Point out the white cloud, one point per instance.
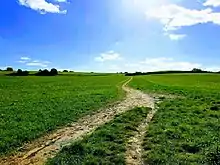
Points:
(169, 64)
(25, 58)
(174, 17)
(154, 64)
(176, 37)
(108, 56)
(42, 6)
(213, 68)
(29, 62)
(61, 1)
(22, 62)
(214, 3)
(38, 64)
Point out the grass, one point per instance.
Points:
(33, 106)
(185, 130)
(107, 145)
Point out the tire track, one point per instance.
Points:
(134, 147)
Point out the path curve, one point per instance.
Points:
(38, 151)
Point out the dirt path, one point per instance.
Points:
(38, 151)
(134, 146)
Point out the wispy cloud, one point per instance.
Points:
(39, 64)
(154, 64)
(108, 56)
(176, 37)
(61, 1)
(30, 62)
(25, 58)
(42, 6)
(214, 3)
(174, 17)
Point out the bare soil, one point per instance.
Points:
(134, 146)
(38, 151)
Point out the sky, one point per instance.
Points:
(110, 35)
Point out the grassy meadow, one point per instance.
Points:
(186, 129)
(32, 106)
(107, 145)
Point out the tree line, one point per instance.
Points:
(19, 72)
(195, 70)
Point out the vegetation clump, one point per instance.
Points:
(45, 72)
(19, 73)
(9, 69)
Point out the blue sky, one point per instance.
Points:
(110, 35)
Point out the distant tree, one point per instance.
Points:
(65, 71)
(54, 72)
(19, 71)
(25, 73)
(10, 69)
(45, 72)
(196, 70)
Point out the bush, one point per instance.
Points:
(53, 72)
(19, 73)
(196, 70)
(45, 72)
(10, 69)
(65, 71)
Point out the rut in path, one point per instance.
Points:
(38, 151)
(134, 146)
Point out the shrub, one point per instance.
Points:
(53, 72)
(10, 69)
(65, 71)
(196, 70)
(19, 73)
(45, 72)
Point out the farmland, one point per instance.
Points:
(33, 106)
(108, 142)
(185, 129)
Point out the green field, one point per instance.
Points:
(186, 129)
(107, 145)
(32, 106)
